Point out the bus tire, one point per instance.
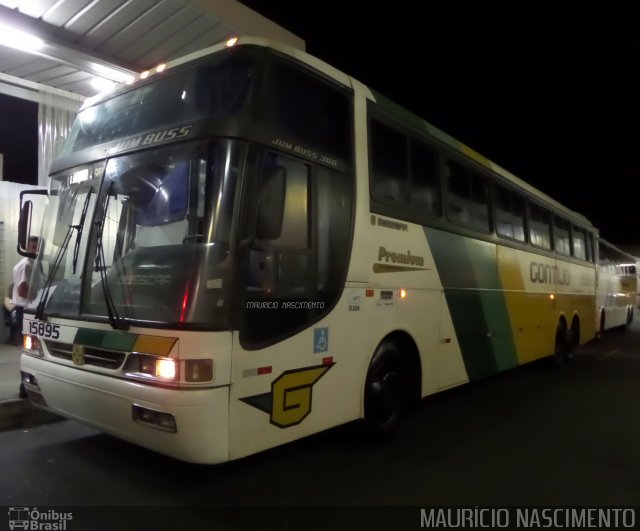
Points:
(573, 339)
(600, 331)
(385, 394)
(562, 344)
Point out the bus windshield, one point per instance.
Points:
(157, 247)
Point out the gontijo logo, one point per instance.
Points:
(289, 401)
(34, 519)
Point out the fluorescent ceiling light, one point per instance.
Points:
(113, 74)
(20, 40)
(102, 84)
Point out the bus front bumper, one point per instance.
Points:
(128, 410)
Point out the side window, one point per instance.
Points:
(468, 197)
(509, 214)
(295, 220)
(579, 243)
(591, 257)
(539, 226)
(295, 269)
(280, 260)
(562, 240)
(389, 171)
(424, 195)
(303, 107)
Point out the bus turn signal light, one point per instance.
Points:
(198, 370)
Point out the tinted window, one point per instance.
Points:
(468, 197)
(561, 236)
(539, 226)
(579, 243)
(292, 280)
(509, 214)
(424, 195)
(389, 171)
(218, 89)
(305, 109)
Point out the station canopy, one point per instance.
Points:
(81, 47)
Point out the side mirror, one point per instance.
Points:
(271, 204)
(24, 222)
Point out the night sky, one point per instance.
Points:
(550, 93)
(19, 139)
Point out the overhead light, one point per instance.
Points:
(20, 40)
(113, 74)
(160, 68)
(231, 42)
(144, 74)
(102, 84)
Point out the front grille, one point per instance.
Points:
(108, 359)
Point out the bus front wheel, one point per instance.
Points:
(385, 395)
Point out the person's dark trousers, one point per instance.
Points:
(18, 341)
(17, 333)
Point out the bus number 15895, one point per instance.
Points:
(44, 329)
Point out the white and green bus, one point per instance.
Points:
(617, 287)
(251, 247)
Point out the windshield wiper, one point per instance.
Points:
(76, 248)
(61, 253)
(52, 274)
(116, 321)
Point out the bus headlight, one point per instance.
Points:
(169, 370)
(153, 367)
(32, 344)
(166, 368)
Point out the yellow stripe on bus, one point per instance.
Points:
(160, 346)
(528, 312)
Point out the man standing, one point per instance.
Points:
(21, 278)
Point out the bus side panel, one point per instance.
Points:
(399, 258)
(309, 382)
(476, 303)
(576, 296)
(610, 286)
(533, 318)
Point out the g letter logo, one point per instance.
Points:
(289, 401)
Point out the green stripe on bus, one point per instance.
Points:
(494, 304)
(120, 341)
(469, 275)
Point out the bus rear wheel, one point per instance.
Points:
(385, 397)
(562, 352)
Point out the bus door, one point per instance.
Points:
(292, 265)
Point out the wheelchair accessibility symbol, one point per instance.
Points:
(320, 340)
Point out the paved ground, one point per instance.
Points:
(9, 372)
(532, 436)
(15, 412)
